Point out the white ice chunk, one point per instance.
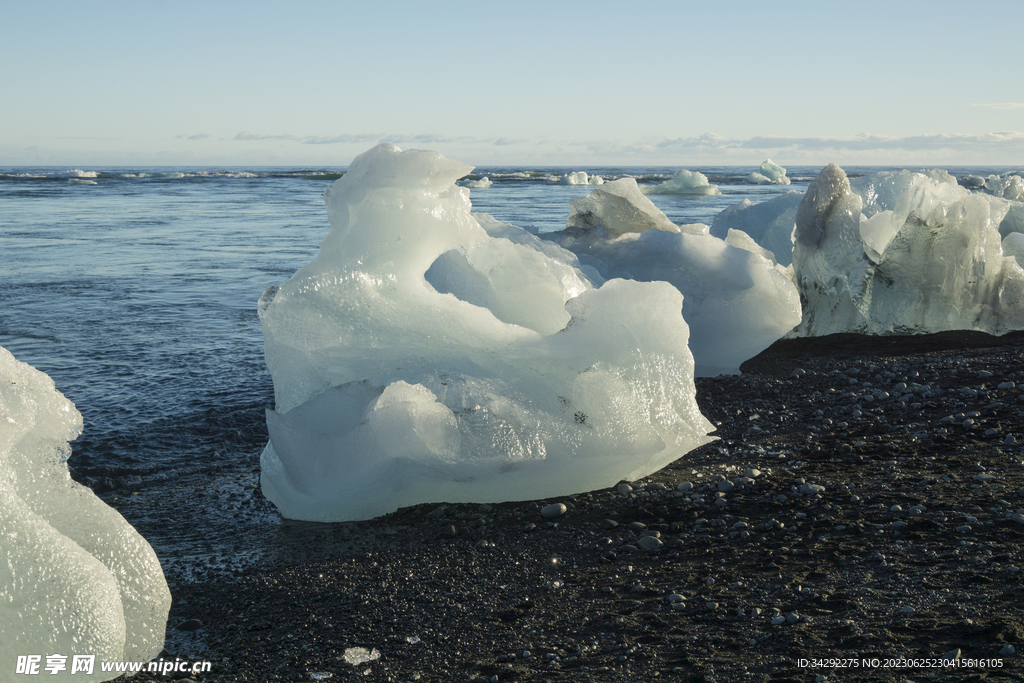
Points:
(519, 381)
(736, 302)
(596, 180)
(903, 253)
(742, 240)
(686, 183)
(769, 223)
(619, 207)
(770, 173)
(76, 577)
(1006, 186)
(480, 184)
(574, 178)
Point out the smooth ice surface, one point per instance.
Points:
(1013, 245)
(769, 223)
(770, 173)
(76, 577)
(423, 357)
(735, 301)
(684, 182)
(903, 253)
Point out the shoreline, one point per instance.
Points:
(882, 528)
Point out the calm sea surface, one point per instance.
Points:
(135, 289)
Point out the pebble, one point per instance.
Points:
(778, 620)
(951, 655)
(811, 489)
(649, 543)
(552, 511)
(792, 617)
(752, 473)
(625, 489)
(1008, 650)
(725, 486)
(608, 524)
(684, 486)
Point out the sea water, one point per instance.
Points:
(135, 289)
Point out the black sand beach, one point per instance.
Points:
(871, 528)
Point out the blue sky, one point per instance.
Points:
(544, 83)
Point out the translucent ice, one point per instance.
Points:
(903, 253)
(684, 182)
(735, 301)
(423, 358)
(619, 207)
(770, 173)
(76, 577)
(769, 223)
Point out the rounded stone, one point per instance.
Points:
(552, 511)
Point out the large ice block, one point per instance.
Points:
(423, 358)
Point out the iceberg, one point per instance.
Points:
(1006, 185)
(769, 223)
(686, 183)
(77, 578)
(423, 357)
(903, 253)
(575, 178)
(480, 184)
(735, 301)
(770, 173)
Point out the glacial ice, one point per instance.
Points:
(684, 182)
(574, 178)
(1006, 186)
(480, 184)
(770, 173)
(735, 301)
(422, 357)
(769, 223)
(77, 578)
(619, 207)
(1013, 245)
(903, 253)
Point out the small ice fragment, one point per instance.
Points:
(320, 675)
(360, 655)
(413, 640)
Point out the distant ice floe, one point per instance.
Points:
(428, 355)
(76, 577)
(770, 173)
(479, 184)
(684, 183)
(904, 253)
(580, 178)
(735, 300)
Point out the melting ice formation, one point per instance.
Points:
(76, 577)
(684, 182)
(426, 355)
(735, 300)
(580, 178)
(906, 253)
(770, 173)
(481, 184)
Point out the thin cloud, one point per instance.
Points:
(1001, 105)
(247, 136)
(510, 141)
(198, 136)
(340, 139)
